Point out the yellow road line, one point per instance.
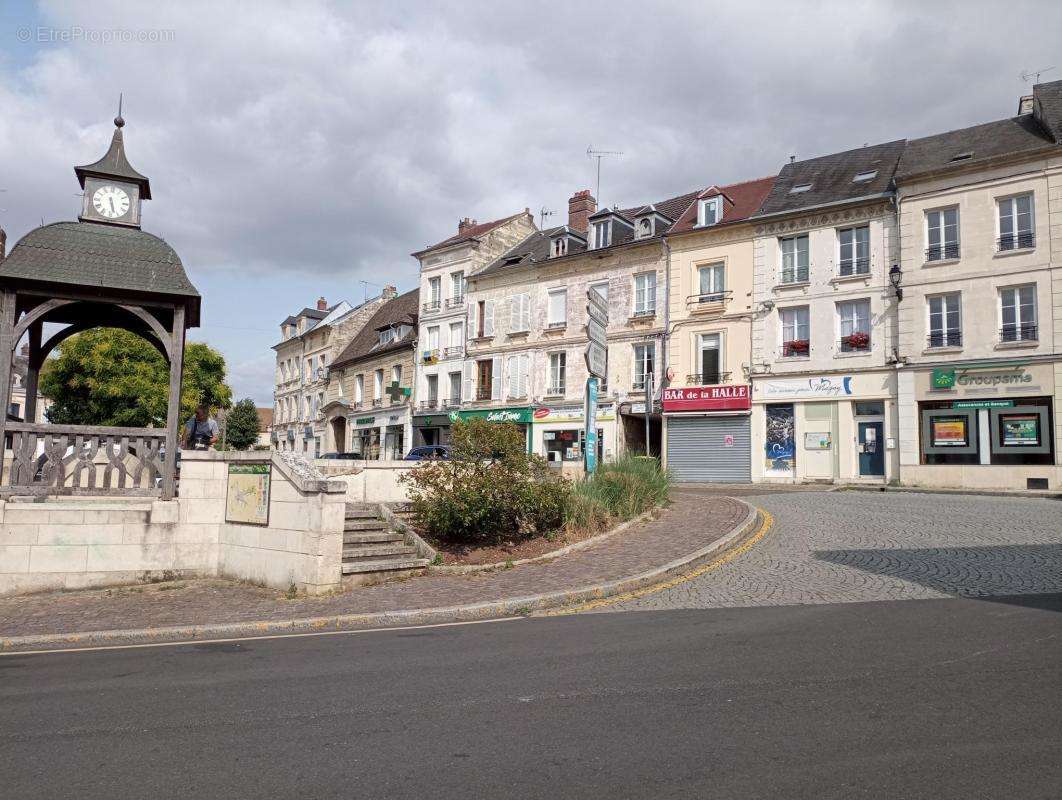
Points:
(726, 557)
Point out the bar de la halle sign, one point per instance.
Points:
(708, 398)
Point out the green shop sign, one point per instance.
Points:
(943, 378)
(365, 420)
(983, 404)
(520, 415)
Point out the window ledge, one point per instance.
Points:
(1026, 344)
(555, 328)
(481, 339)
(862, 276)
(778, 287)
(553, 396)
(708, 308)
(929, 351)
(788, 359)
(642, 318)
(941, 262)
(1018, 251)
(853, 354)
(518, 333)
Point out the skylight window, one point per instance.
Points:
(800, 187)
(865, 175)
(962, 156)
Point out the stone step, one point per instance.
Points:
(383, 565)
(363, 551)
(364, 525)
(401, 507)
(371, 537)
(361, 513)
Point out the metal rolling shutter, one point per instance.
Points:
(696, 454)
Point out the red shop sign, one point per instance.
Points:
(708, 398)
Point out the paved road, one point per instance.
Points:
(840, 547)
(934, 699)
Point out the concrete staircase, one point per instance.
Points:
(372, 550)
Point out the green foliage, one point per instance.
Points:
(241, 425)
(107, 376)
(491, 489)
(621, 490)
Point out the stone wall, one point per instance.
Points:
(371, 481)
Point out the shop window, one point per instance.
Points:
(1021, 434)
(780, 441)
(567, 445)
(1018, 431)
(870, 409)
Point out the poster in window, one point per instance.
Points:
(1020, 430)
(780, 443)
(949, 431)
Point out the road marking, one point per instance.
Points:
(726, 557)
(143, 645)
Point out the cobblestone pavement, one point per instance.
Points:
(841, 547)
(694, 520)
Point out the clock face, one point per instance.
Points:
(110, 202)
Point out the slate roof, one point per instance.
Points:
(310, 313)
(1047, 98)
(110, 258)
(985, 142)
(469, 234)
(831, 179)
(741, 200)
(114, 164)
(366, 344)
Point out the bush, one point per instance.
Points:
(619, 490)
(490, 490)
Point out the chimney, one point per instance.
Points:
(389, 293)
(1025, 105)
(465, 225)
(322, 304)
(3, 244)
(580, 207)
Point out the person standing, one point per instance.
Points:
(201, 431)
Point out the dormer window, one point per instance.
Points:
(800, 188)
(559, 247)
(644, 229)
(710, 211)
(602, 235)
(866, 175)
(387, 335)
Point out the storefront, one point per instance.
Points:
(384, 436)
(708, 433)
(520, 416)
(366, 441)
(431, 429)
(825, 428)
(558, 435)
(981, 425)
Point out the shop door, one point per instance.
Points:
(871, 449)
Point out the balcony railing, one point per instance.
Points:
(859, 266)
(452, 402)
(707, 378)
(553, 326)
(431, 305)
(483, 393)
(644, 313)
(942, 252)
(428, 405)
(377, 402)
(945, 339)
(709, 299)
(1018, 333)
(1022, 240)
(858, 342)
(555, 391)
(795, 275)
(796, 348)
(455, 302)
(455, 351)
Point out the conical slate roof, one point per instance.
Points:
(114, 164)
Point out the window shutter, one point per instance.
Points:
(512, 375)
(495, 378)
(514, 313)
(525, 312)
(469, 370)
(525, 368)
(488, 318)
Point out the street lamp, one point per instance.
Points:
(896, 278)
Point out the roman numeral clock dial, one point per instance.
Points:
(110, 202)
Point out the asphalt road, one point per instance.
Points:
(956, 698)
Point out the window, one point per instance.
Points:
(942, 234)
(387, 335)
(645, 294)
(709, 346)
(602, 234)
(433, 339)
(644, 358)
(457, 338)
(796, 332)
(855, 250)
(485, 318)
(1018, 314)
(866, 175)
(457, 286)
(711, 283)
(1016, 223)
(396, 374)
(854, 321)
(485, 379)
(434, 293)
(377, 386)
(518, 368)
(800, 188)
(520, 313)
(556, 373)
(559, 247)
(558, 308)
(455, 389)
(945, 320)
(710, 211)
(433, 391)
(645, 228)
(359, 389)
(795, 259)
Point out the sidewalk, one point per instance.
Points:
(680, 537)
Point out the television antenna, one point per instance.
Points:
(365, 288)
(1034, 73)
(542, 214)
(599, 154)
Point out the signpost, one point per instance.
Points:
(648, 409)
(596, 356)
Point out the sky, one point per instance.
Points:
(297, 150)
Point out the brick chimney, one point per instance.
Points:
(3, 244)
(580, 207)
(322, 304)
(389, 293)
(463, 226)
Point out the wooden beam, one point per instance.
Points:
(7, 347)
(155, 326)
(173, 412)
(37, 313)
(33, 371)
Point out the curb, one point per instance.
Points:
(469, 569)
(514, 606)
(1046, 494)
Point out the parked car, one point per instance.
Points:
(440, 451)
(349, 456)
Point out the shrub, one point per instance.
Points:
(621, 490)
(490, 490)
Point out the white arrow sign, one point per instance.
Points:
(596, 359)
(595, 331)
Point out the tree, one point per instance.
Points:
(108, 376)
(241, 425)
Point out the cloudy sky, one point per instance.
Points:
(296, 150)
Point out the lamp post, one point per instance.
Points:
(896, 278)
